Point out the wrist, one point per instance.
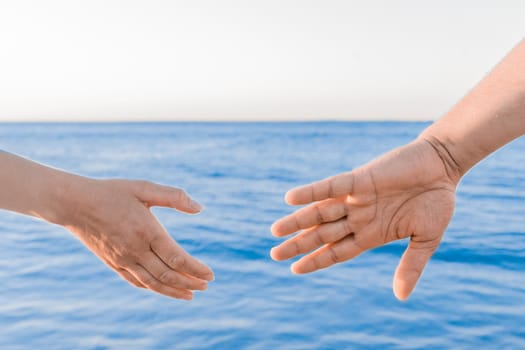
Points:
(488, 117)
(448, 151)
(62, 199)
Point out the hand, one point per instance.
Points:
(112, 218)
(407, 193)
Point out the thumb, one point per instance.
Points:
(153, 194)
(411, 266)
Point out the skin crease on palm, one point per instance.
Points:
(407, 193)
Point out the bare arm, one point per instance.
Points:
(112, 218)
(488, 117)
(409, 192)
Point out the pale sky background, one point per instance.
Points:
(247, 60)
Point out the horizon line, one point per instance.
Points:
(109, 121)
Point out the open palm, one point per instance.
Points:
(407, 193)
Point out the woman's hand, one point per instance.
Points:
(407, 193)
(112, 218)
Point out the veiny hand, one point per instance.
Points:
(407, 193)
(112, 218)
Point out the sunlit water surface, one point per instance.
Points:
(56, 295)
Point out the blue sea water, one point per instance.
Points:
(54, 294)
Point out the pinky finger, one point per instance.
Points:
(125, 275)
(150, 282)
(130, 278)
(330, 254)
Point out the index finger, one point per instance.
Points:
(314, 214)
(332, 187)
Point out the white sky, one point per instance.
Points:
(247, 60)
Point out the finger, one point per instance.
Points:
(311, 239)
(331, 187)
(411, 266)
(169, 277)
(124, 274)
(314, 214)
(333, 253)
(150, 282)
(177, 259)
(130, 278)
(158, 195)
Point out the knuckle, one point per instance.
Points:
(316, 263)
(178, 193)
(177, 261)
(167, 277)
(426, 246)
(156, 241)
(317, 237)
(332, 255)
(417, 270)
(297, 222)
(296, 247)
(142, 185)
(312, 193)
(331, 192)
(149, 281)
(319, 215)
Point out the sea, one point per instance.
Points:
(54, 294)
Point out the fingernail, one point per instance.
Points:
(272, 253)
(295, 268)
(209, 276)
(195, 206)
(273, 230)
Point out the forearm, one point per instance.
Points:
(488, 117)
(31, 188)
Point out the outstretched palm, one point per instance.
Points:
(408, 192)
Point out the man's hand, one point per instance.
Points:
(407, 193)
